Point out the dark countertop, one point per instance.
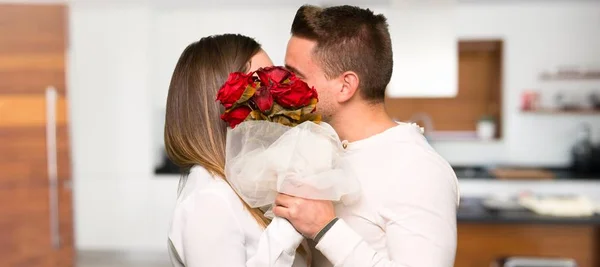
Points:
(471, 210)
(484, 173)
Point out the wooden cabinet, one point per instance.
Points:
(479, 244)
(36, 225)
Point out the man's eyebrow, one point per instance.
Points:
(294, 70)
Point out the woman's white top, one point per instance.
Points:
(211, 227)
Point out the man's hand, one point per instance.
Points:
(306, 215)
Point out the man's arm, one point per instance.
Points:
(409, 244)
(419, 223)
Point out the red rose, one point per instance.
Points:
(295, 94)
(236, 115)
(271, 75)
(234, 88)
(263, 99)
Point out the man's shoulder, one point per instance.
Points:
(413, 151)
(422, 161)
(410, 167)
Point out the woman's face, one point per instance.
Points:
(260, 60)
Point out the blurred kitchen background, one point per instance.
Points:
(508, 93)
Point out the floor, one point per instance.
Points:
(119, 259)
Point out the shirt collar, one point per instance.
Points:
(399, 132)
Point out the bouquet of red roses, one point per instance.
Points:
(276, 142)
(274, 94)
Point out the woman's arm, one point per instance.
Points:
(277, 245)
(213, 236)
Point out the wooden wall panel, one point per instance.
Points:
(33, 44)
(28, 110)
(481, 244)
(64, 257)
(23, 159)
(33, 28)
(30, 81)
(32, 61)
(25, 227)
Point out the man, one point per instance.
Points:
(407, 212)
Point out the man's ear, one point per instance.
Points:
(349, 86)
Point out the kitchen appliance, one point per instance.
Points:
(582, 153)
(596, 159)
(595, 100)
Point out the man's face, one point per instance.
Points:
(300, 60)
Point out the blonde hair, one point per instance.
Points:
(194, 132)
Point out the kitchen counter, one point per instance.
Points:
(485, 236)
(484, 173)
(471, 210)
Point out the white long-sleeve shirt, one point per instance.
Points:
(407, 213)
(211, 227)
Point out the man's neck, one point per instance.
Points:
(361, 121)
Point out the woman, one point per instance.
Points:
(211, 225)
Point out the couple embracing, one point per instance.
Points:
(405, 214)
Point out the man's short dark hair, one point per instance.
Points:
(349, 38)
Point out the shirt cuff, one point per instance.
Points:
(286, 234)
(338, 243)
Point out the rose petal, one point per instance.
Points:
(270, 75)
(234, 88)
(296, 94)
(236, 115)
(263, 99)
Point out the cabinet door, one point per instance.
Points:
(35, 197)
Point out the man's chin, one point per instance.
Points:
(326, 118)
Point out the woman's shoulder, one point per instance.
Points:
(201, 187)
(206, 203)
(205, 195)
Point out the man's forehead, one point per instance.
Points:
(298, 57)
(301, 44)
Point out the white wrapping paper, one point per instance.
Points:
(264, 158)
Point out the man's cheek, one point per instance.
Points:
(311, 83)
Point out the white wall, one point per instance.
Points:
(121, 60)
(176, 28)
(118, 204)
(537, 37)
(122, 56)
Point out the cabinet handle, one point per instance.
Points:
(51, 101)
